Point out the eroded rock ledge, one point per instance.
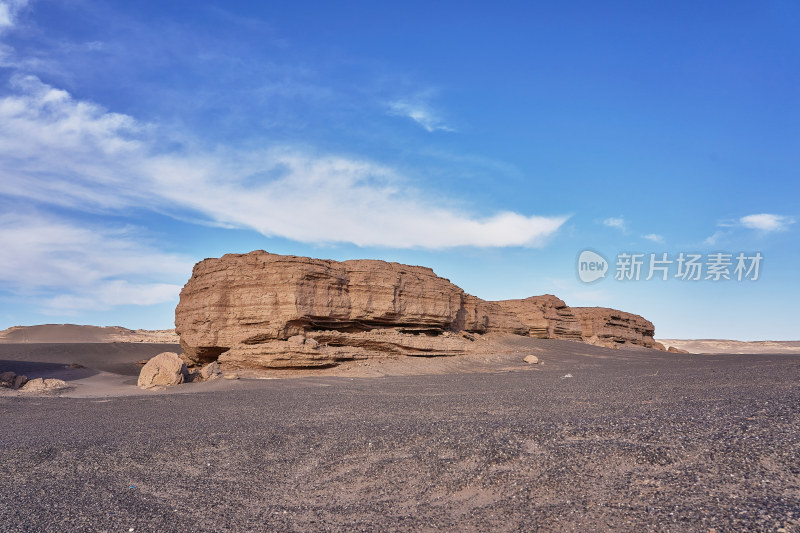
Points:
(262, 310)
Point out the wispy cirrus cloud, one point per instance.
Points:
(420, 112)
(66, 266)
(59, 150)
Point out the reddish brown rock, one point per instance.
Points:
(547, 317)
(249, 309)
(614, 329)
(262, 310)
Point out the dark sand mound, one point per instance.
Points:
(60, 333)
(71, 333)
(633, 441)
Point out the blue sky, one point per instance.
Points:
(491, 143)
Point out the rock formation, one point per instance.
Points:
(262, 310)
(547, 317)
(272, 311)
(602, 326)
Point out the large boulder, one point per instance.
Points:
(163, 370)
(243, 309)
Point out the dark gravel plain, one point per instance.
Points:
(633, 441)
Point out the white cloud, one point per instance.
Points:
(420, 113)
(59, 150)
(112, 294)
(615, 222)
(67, 267)
(766, 222)
(654, 237)
(712, 240)
(8, 12)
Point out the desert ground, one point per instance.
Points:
(590, 439)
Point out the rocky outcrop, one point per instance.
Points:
(267, 311)
(273, 311)
(163, 370)
(602, 326)
(547, 317)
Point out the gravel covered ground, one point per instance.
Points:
(631, 441)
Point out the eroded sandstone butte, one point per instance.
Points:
(549, 317)
(272, 311)
(262, 310)
(602, 326)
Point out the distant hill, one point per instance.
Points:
(73, 333)
(726, 346)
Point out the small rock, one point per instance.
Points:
(43, 385)
(210, 371)
(312, 343)
(296, 340)
(531, 359)
(7, 379)
(230, 376)
(19, 381)
(187, 361)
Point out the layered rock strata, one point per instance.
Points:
(262, 310)
(602, 326)
(547, 317)
(273, 311)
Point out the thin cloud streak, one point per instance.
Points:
(419, 113)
